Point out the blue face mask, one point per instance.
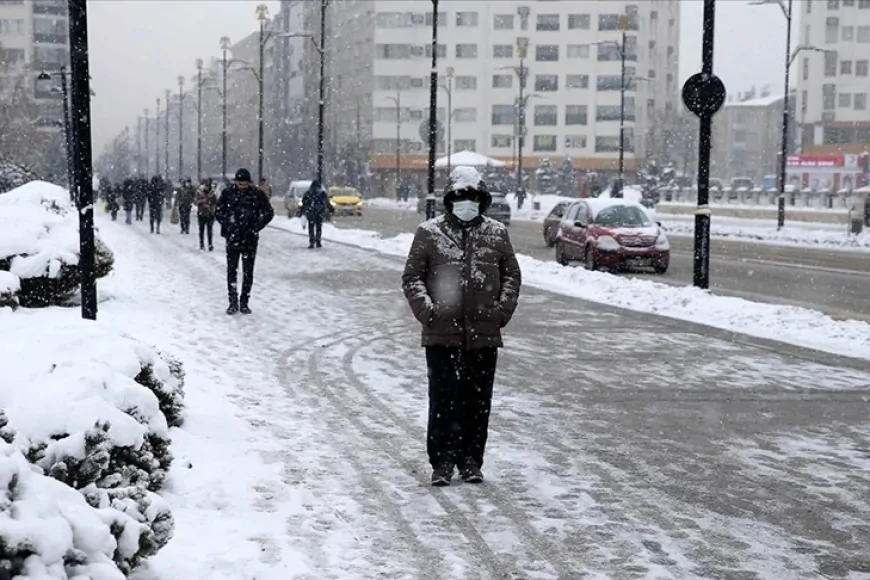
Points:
(466, 210)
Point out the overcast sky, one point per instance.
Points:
(139, 47)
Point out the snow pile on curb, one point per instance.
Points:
(90, 408)
(799, 326)
(826, 237)
(39, 244)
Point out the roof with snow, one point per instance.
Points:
(469, 158)
(757, 102)
(597, 204)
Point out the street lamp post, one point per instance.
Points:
(618, 186)
(166, 147)
(81, 127)
(157, 139)
(225, 46)
(262, 16)
(67, 126)
(139, 145)
(448, 88)
(433, 117)
(199, 65)
(180, 128)
(321, 106)
(147, 145)
(522, 73)
(398, 100)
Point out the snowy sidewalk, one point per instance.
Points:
(622, 446)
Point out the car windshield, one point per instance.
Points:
(623, 216)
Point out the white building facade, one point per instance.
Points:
(833, 86)
(572, 63)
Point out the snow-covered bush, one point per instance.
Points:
(9, 286)
(48, 530)
(166, 381)
(39, 244)
(13, 175)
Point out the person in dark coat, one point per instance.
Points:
(206, 204)
(140, 197)
(112, 194)
(243, 211)
(156, 191)
(185, 198)
(315, 207)
(462, 282)
(127, 197)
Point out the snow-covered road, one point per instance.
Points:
(623, 445)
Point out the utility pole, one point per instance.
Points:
(157, 139)
(147, 140)
(139, 145)
(433, 117)
(522, 47)
(262, 16)
(81, 126)
(620, 180)
(199, 65)
(225, 46)
(322, 92)
(180, 128)
(166, 148)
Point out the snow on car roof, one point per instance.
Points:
(596, 204)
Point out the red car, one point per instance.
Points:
(611, 234)
(552, 221)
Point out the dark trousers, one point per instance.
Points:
(140, 211)
(206, 226)
(460, 397)
(247, 255)
(184, 218)
(156, 216)
(315, 230)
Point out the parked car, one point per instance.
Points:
(499, 209)
(552, 221)
(293, 197)
(609, 234)
(345, 201)
(439, 204)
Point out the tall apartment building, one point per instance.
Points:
(378, 73)
(33, 39)
(833, 86)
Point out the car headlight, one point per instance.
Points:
(662, 242)
(608, 243)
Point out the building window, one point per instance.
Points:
(577, 81)
(503, 51)
(576, 115)
(547, 22)
(547, 83)
(544, 143)
(833, 4)
(12, 27)
(609, 52)
(503, 22)
(502, 81)
(805, 68)
(830, 63)
(609, 82)
(11, 56)
(832, 29)
(393, 51)
(845, 67)
(579, 22)
(504, 115)
(847, 33)
(608, 144)
(863, 3)
(844, 100)
(501, 140)
(575, 142)
(578, 51)
(465, 115)
(546, 115)
(466, 19)
(547, 52)
(614, 112)
(861, 67)
(464, 145)
(829, 96)
(399, 20)
(608, 22)
(442, 19)
(863, 35)
(442, 51)
(391, 83)
(848, 3)
(860, 101)
(466, 51)
(465, 83)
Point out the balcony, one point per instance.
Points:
(49, 39)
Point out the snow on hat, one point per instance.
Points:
(466, 179)
(243, 175)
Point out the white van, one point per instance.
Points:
(293, 198)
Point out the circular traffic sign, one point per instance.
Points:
(424, 131)
(704, 94)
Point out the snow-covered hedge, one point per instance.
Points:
(91, 409)
(13, 175)
(9, 287)
(39, 244)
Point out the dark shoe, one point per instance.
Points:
(233, 309)
(202, 247)
(471, 473)
(442, 475)
(244, 309)
(211, 248)
(310, 246)
(319, 245)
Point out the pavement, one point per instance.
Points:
(623, 445)
(832, 281)
(792, 214)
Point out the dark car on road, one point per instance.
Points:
(499, 209)
(552, 221)
(611, 234)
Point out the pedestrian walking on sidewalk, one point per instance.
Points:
(127, 196)
(243, 211)
(155, 203)
(206, 204)
(462, 281)
(185, 198)
(315, 205)
(140, 197)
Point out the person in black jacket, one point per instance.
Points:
(140, 197)
(315, 205)
(127, 197)
(242, 211)
(155, 203)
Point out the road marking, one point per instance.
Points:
(761, 262)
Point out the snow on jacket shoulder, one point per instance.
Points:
(462, 283)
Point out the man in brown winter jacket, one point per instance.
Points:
(462, 281)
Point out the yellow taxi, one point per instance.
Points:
(345, 201)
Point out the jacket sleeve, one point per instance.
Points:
(511, 279)
(414, 279)
(223, 207)
(266, 212)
